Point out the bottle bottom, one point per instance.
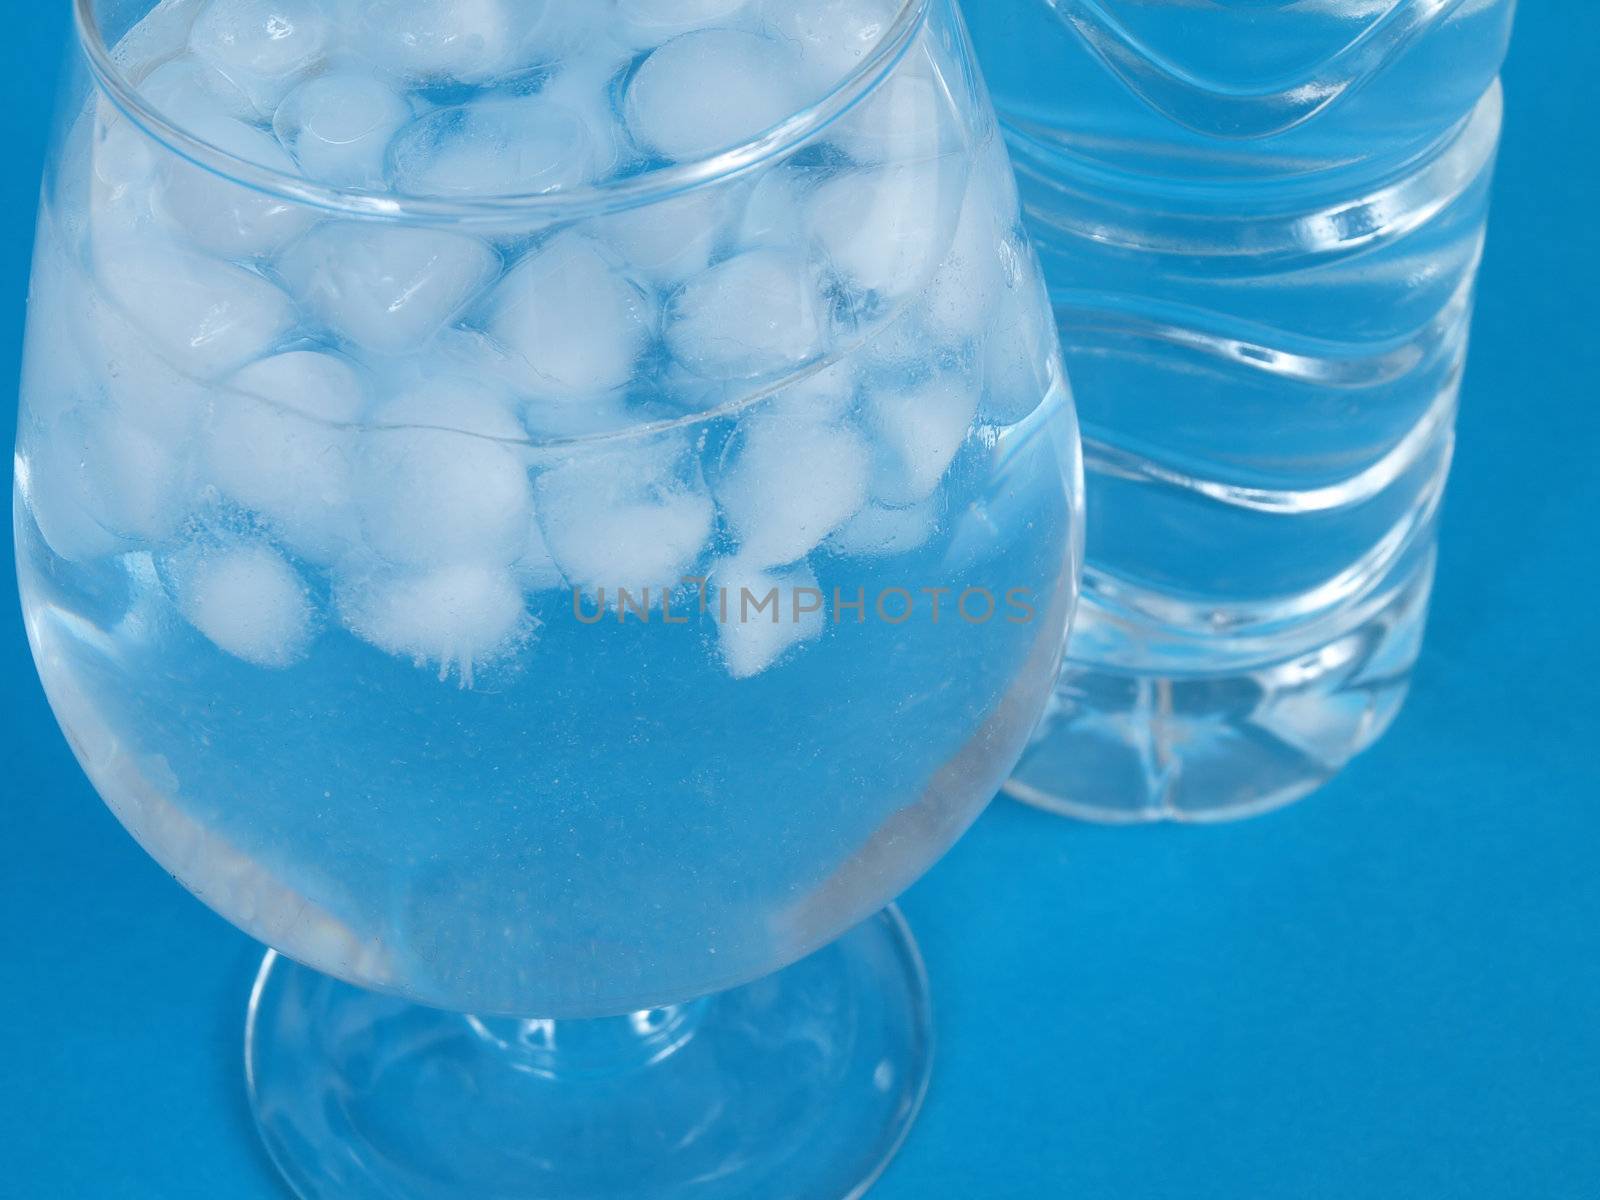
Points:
(1174, 741)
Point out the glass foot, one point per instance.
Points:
(801, 1085)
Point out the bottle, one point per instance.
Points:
(1261, 225)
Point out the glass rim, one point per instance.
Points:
(636, 191)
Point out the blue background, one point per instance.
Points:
(1391, 990)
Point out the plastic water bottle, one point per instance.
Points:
(1261, 223)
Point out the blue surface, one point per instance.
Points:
(1391, 990)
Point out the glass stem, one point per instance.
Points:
(594, 1048)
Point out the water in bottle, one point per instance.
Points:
(1261, 224)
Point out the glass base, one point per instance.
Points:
(1121, 746)
(801, 1085)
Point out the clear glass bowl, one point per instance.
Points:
(524, 543)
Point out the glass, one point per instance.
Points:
(524, 542)
(1261, 226)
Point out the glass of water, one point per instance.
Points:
(555, 512)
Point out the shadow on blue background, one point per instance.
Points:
(1391, 990)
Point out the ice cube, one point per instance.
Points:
(995, 179)
(879, 531)
(455, 404)
(386, 288)
(584, 85)
(651, 22)
(918, 431)
(885, 230)
(138, 480)
(964, 291)
(440, 478)
(905, 344)
(441, 41)
(250, 603)
(338, 126)
(111, 354)
(53, 489)
(789, 483)
(114, 199)
(204, 317)
(536, 570)
(58, 372)
(447, 42)
(223, 216)
(984, 252)
(122, 159)
(822, 397)
(1022, 349)
(182, 87)
(771, 217)
(708, 91)
(556, 33)
(457, 618)
(644, 546)
(549, 421)
(279, 444)
(580, 324)
(521, 146)
(478, 356)
(912, 117)
(121, 184)
(753, 315)
(833, 37)
(96, 483)
(630, 516)
(678, 391)
(263, 47)
(762, 614)
(668, 241)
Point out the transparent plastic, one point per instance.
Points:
(1261, 225)
(479, 512)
